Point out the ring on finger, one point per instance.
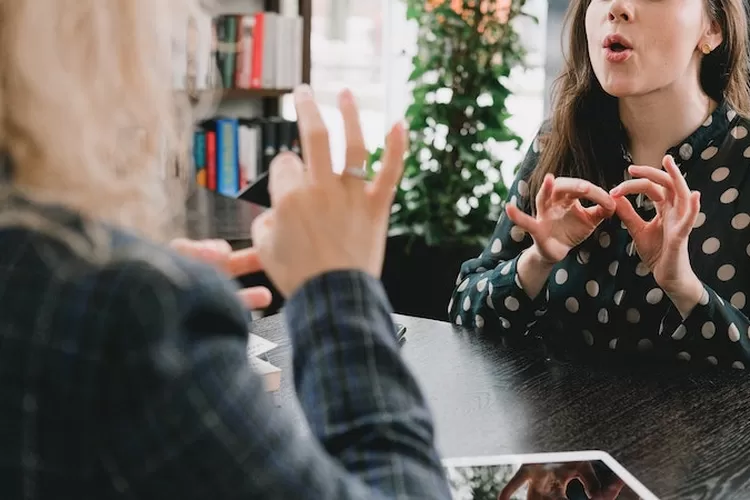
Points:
(359, 172)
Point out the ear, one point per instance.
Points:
(712, 36)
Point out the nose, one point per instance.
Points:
(620, 10)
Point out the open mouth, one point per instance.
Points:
(616, 43)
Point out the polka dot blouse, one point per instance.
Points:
(602, 293)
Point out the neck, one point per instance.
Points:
(659, 120)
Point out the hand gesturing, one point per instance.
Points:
(219, 254)
(561, 221)
(661, 242)
(320, 221)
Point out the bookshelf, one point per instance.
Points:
(260, 52)
(209, 213)
(270, 97)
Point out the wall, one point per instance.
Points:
(554, 61)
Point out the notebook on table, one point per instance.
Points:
(582, 475)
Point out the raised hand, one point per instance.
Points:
(662, 242)
(219, 253)
(320, 221)
(561, 221)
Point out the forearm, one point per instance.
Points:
(181, 414)
(359, 398)
(533, 272)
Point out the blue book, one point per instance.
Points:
(227, 157)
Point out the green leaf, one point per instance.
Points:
(455, 54)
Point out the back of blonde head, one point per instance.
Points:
(87, 112)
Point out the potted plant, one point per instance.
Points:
(452, 191)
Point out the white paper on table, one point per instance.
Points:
(257, 346)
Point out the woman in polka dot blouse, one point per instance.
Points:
(632, 250)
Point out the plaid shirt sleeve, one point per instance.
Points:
(184, 416)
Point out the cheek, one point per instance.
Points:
(676, 47)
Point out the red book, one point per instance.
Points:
(245, 28)
(256, 75)
(211, 159)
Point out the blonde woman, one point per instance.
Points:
(122, 365)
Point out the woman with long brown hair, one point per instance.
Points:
(123, 365)
(626, 228)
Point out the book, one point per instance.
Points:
(232, 154)
(256, 347)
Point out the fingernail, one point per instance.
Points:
(346, 96)
(303, 90)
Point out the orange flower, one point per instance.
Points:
(502, 7)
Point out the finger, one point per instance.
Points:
(598, 213)
(652, 190)
(214, 252)
(392, 167)
(522, 219)
(694, 207)
(356, 152)
(678, 181)
(243, 262)
(257, 297)
(587, 476)
(260, 233)
(581, 189)
(313, 135)
(628, 216)
(656, 176)
(519, 479)
(544, 196)
(286, 174)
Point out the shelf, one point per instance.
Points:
(238, 94)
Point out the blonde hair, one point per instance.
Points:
(87, 110)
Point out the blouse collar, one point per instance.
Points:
(713, 130)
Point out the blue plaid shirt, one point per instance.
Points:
(123, 374)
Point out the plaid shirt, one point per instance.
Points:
(123, 374)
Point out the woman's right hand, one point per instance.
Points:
(561, 221)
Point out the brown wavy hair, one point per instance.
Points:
(585, 123)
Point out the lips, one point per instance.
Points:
(617, 43)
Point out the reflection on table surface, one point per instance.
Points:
(684, 435)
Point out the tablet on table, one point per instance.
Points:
(584, 475)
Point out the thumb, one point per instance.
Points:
(628, 215)
(261, 234)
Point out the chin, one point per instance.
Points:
(618, 86)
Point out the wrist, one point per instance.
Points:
(535, 258)
(686, 293)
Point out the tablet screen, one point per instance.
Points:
(588, 475)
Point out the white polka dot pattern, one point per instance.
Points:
(604, 296)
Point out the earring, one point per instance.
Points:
(706, 49)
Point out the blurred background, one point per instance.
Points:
(471, 77)
(367, 45)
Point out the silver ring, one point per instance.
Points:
(358, 172)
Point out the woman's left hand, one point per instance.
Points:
(219, 254)
(662, 242)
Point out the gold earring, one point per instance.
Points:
(706, 49)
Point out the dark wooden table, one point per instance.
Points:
(684, 435)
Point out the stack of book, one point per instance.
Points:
(243, 51)
(259, 51)
(257, 347)
(230, 153)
